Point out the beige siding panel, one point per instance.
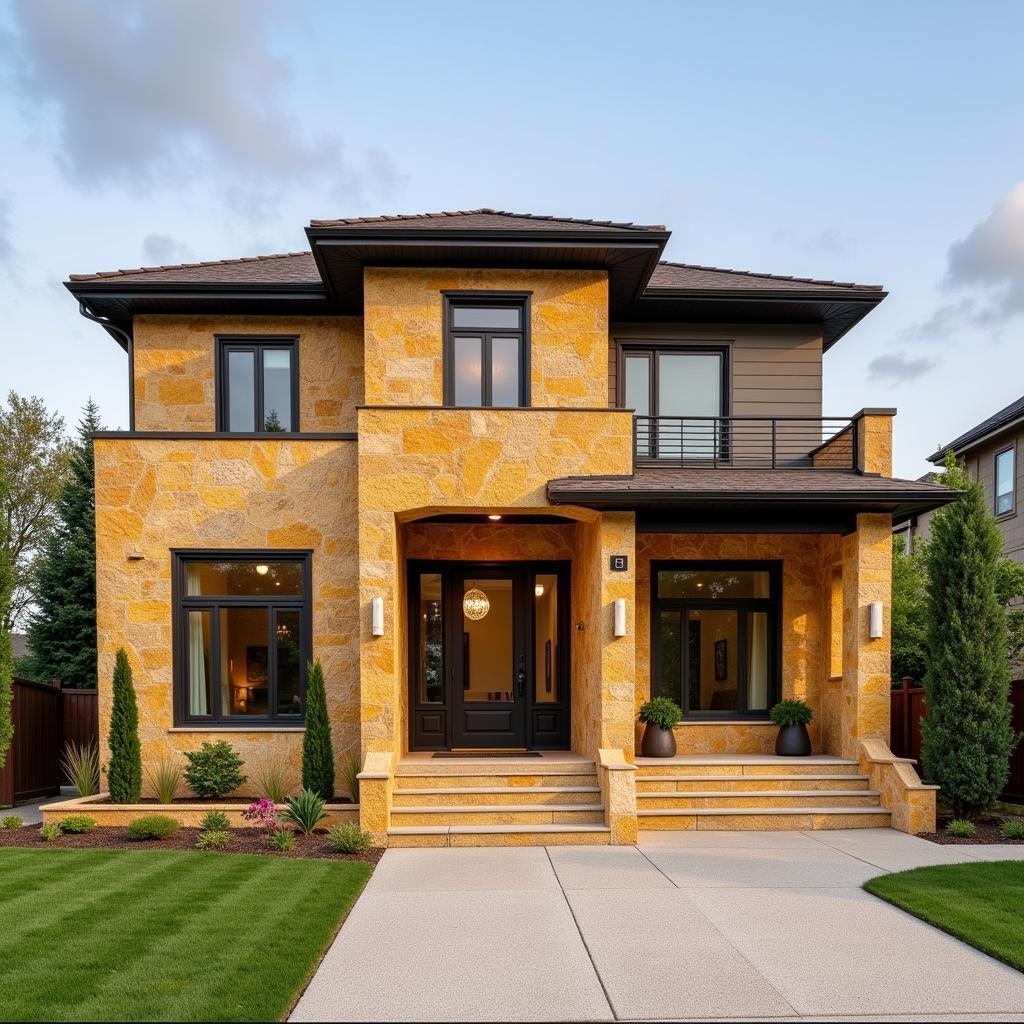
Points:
(760, 394)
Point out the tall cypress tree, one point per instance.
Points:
(124, 770)
(317, 750)
(6, 652)
(966, 736)
(62, 628)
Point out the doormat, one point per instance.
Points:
(484, 753)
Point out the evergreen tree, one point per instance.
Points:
(909, 610)
(6, 651)
(317, 751)
(124, 770)
(966, 736)
(62, 628)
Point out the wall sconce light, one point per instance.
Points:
(619, 616)
(377, 616)
(875, 620)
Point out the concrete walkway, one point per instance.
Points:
(32, 814)
(689, 925)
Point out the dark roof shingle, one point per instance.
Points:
(282, 268)
(981, 430)
(485, 219)
(689, 275)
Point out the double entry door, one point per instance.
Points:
(489, 655)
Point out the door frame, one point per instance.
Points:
(548, 723)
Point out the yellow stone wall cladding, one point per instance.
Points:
(155, 495)
(415, 462)
(568, 337)
(874, 444)
(175, 369)
(805, 648)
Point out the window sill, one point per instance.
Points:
(241, 727)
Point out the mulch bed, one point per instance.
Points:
(204, 800)
(245, 840)
(987, 833)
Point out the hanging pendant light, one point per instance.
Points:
(475, 604)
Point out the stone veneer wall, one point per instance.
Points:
(175, 369)
(403, 311)
(154, 495)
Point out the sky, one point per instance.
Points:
(867, 142)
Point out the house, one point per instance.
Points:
(989, 453)
(505, 476)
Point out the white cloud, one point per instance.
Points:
(163, 249)
(898, 368)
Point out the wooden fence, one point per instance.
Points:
(45, 718)
(908, 708)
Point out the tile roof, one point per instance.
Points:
(981, 430)
(282, 268)
(485, 219)
(689, 275)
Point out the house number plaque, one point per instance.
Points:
(620, 563)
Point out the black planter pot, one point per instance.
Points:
(657, 742)
(793, 741)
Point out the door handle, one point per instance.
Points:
(521, 677)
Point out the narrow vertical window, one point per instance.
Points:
(486, 352)
(259, 386)
(1004, 482)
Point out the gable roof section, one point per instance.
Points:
(281, 268)
(484, 219)
(675, 276)
(982, 431)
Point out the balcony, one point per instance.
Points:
(746, 442)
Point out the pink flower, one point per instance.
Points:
(262, 811)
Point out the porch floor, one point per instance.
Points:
(547, 757)
(743, 759)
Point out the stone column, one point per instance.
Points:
(618, 654)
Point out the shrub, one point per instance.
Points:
(1012, 828)
(213, 839)
(164, 778)
(11, 821)
(152, 826)
(350, 774)
(77, 824)
(272, 776)
(305, 811)
(961, 828)
(966, 738)
(124, 771)
(214, 769)
(49, 832)
(215, 821)
(661, 712)
(348, 839)
(791, 712)
(81, 764)
(317, 752)
(281, 839)
(263, 812)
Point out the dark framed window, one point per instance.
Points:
(684, 387)
(716, 640)
(486, 349)
(1005, 471)
(242, 636)
(257, 384)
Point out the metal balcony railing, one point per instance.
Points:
(746, 442)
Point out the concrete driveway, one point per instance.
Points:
(689, 925)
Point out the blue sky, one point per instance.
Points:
(874, 142)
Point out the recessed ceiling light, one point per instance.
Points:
(494, 519)
(263, 569)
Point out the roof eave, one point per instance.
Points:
(967, 442)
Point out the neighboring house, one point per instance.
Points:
(19, 645)
(506, 476)
(989, 450)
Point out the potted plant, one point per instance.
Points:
(792, 717)
(659, 716)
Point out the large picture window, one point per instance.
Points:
(486, 350)
(715, 637)
(243, 637)
(1004, 482)
(258, 389)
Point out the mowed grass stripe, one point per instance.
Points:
(164, 935)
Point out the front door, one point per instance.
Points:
(488, 656)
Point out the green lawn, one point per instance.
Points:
(163, 935)
(983, 904)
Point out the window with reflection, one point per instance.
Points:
(716, 644)
(1004, 482)
(259, 386)
(243, 638)
(486, 354)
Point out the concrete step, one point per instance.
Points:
(465, 776)
(749, 783)
(499, 814)
(438, 796)
(757, 798)
(742, 765)
(802, 819)
(499, 835)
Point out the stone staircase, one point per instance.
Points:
(496, 802)
(756, 792)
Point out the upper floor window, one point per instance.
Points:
(1004, 481)
(486, 351)
(259, 390)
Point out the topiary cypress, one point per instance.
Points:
(317, 750)
(6, 652)
(124, 771)
(966, 736)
